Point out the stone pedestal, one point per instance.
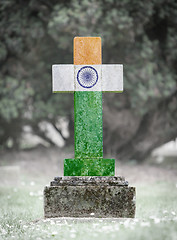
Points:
(101, 197)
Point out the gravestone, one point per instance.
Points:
(88, 187)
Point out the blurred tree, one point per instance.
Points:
(141, 35)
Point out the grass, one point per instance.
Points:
(21, 216)
(21, 202)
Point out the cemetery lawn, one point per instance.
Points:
(21, 203)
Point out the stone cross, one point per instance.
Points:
(88, 78)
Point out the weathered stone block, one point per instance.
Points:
(89, 197)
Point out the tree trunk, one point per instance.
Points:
(156, 127)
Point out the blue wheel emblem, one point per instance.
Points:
(87, 77)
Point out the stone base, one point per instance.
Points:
(102, 197)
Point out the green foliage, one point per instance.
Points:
(15, 95)
(35, 34)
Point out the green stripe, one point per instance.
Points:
(88, 124)
(88, 138)
(89, 167)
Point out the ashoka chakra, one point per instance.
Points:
(87, 77)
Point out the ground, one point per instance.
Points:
(24, 174)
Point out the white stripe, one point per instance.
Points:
(66, 79)
(112, 78)
(63, 78)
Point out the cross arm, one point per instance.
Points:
(104, 77)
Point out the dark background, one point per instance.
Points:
(141, 35)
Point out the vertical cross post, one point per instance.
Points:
(88, 104)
